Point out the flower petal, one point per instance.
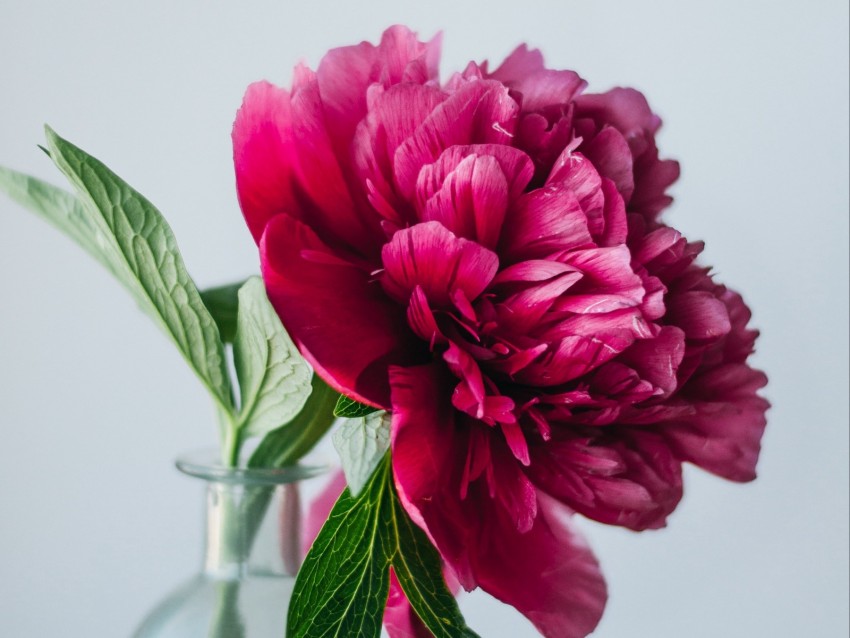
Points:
(430, 256)
(631, 479)
(262, 142)
(546, 571)
(315, 291)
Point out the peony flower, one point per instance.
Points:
(484, 257)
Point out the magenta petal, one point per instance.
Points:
(700, 314)
(546, 572)
(480, 112)
(633, 480)
(543, 222)
(524, 72)
(724, 436)
(262, 140)
(315, 296)
(430, 256)
(611, 156)
(469, 187)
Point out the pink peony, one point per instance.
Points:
(484, 258)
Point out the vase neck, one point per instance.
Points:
(252, 529)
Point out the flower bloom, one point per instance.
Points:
(484, 257)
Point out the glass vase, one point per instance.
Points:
(252, 552)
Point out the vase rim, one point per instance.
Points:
(207, 465)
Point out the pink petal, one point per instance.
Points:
(262, 140)
(543, 222)
(657, 359)
(480, 112)
(469, 187)
(523, 71)
(700, 314)
(631, 479)
(610, 154)
(302, 286)
(430, 256)
(546, 571)
(345, 73)
(724, 436)
(625, 109)
(608, 282)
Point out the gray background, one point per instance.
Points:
(95, 524)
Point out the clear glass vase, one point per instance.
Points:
(252, 552)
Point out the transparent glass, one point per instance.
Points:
(251, 555)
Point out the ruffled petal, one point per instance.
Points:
(631, 479)
(724, 434)
(429, 256)
(545, 570)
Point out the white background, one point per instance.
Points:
(95, 524)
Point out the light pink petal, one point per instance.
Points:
(305, 280)
(524, 72)
(430, 256)
(262, 155)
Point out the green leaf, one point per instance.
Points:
(361, 444)
(223, 304)
(342, 587)
(274, 379)
(418, 567)
(123, 231)
(343, 584)
(59, 208)
(351, 409)
(288, 443)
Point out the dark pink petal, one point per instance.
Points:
(480, 112)
(543, 222)
(345, 73)
(700, 314)
(724, 436)
(472, 201)
(572, 356)
(652, 178)
(469, 187)
(608, 282)
(304, 280)
(318, 174)
(631, 479)
(393, 116)
(610, 154)
(546, 571)
(430, 256)
(262, 142)
(626, 110)
(657, 360)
